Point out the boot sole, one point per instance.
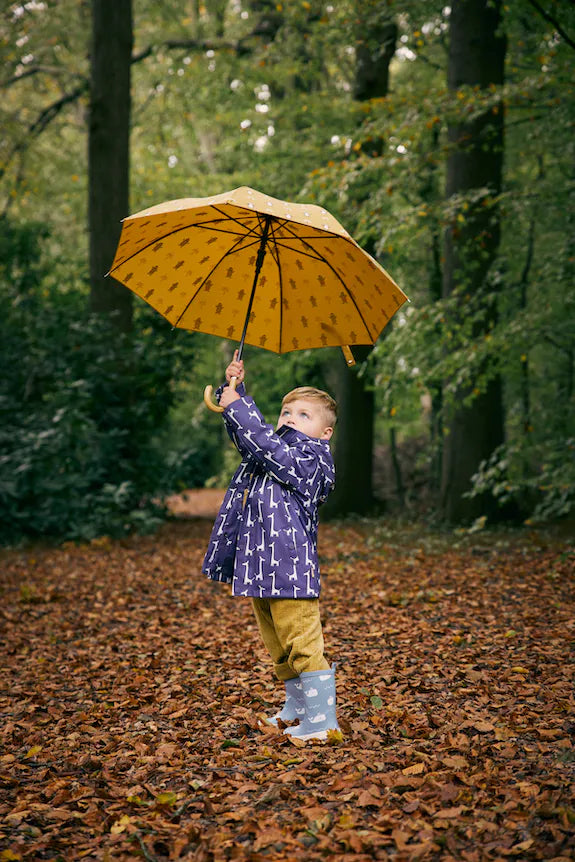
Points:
(320, 734)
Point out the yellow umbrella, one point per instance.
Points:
(267, 272)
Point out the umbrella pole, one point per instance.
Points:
(215, 408)
(259, 264)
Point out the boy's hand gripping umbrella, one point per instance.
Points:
(290, 272)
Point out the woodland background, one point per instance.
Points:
(132, 688)
(441, 137)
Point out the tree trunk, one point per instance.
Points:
(476, 58)
(374, 50)
(353, 443)
(108, 152)
(375, 47)
(429, 192)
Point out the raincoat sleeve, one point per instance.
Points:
(241, 390)
(306, 467)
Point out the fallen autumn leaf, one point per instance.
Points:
(132, 706)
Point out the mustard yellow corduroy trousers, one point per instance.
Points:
(291, 631)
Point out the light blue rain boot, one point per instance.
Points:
(294, 706)
(319, 702)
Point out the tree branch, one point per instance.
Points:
(50, 112)
(42, 120)
(236, 45)
(548, 17)
(562, 347)
(55, 71)
(16, 78)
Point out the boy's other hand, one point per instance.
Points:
(228, 396)
(235, 369)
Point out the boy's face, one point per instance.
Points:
(306, 416)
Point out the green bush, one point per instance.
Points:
(81, 407)
(546, 490)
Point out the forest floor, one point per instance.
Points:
(132, 691)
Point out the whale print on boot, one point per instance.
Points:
(319, 702)
(294, 707)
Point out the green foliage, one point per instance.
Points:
(103, 426)
(540, 477)
(79, 411)
(388, 185)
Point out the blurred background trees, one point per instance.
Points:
(441, 137)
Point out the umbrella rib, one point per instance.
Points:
(274, 249)
(213, 269)
(248, 236)
(315, 256)
(323, 236)
(173, 232)
(208, 226)
(319, 256)
(229, 218)
(276, 225)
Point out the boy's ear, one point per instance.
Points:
(326, 434)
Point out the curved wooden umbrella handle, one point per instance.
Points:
(215, 408)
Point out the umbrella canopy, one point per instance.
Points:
(243, 265)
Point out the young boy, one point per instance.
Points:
(264, 540)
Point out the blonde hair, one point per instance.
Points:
(310, 393)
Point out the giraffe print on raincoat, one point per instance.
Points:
(267, 547)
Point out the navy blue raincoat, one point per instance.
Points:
(264, 540)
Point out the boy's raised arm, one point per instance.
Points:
(305, 471)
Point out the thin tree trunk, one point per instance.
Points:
(525, 388)
(195, 25)
(108, 152)
(353, 443)
(476, 58)
(429, 193)
(375, 48)
(399, 487)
